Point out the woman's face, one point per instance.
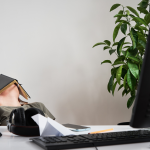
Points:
(11, 91)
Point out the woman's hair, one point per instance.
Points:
(22, 102)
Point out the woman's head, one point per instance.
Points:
(11, 91)
(10, 97)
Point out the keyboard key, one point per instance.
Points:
(63, 139)
(44, 140)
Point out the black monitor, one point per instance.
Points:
(141, 110)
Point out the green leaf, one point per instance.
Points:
(133, 58)
(120, 58)
(106, 47)
(111, 51)
(142, 43)
(128, 54)
(131, 80)
(118, 74)
(139, 28)
(113, 71)
(134, 37)
(120, 87)
(126, 47)
(119, 17)
(107, 42)
(147, 18)
(142, 21)
(132, 93)
(139, 21)
(144, 28)
(120, 44)
(101, 43)
(125, 80)
(133, 10)
(126, 43)
(114, 7)
(118, 63)
(127, 12)
(115, 33)
(131, 51)
(124, 92)
(133, 69)
(147, 1)
(114, 86)
(130, 101)
(124, 28)
(141, 37)
(110, 84)
(131, 15)
(127, 92)
(124, 53)
(141, 50)
(144, 4)
(142, 10)
(124, 71)
(106, 61)
(116, 43)
(125, 67)
(124, 21)
(141, 61)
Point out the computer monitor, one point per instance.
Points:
(141, 110)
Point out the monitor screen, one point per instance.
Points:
(141, 110)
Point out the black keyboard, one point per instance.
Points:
(92, 140)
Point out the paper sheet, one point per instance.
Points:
(49, 127)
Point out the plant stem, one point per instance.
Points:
(116, 54)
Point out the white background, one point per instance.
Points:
(47, 46)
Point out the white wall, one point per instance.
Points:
(47, 46)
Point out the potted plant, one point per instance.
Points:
(129, 55)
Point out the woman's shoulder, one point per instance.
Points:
(36, 104)
(8, 108)
(41, 106)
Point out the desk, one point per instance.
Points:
(9, 141)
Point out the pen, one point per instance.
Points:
(101, 131)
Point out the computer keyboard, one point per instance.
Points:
(92, 140)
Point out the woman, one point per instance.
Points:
(9, 100)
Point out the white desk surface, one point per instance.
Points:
(9, 141)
